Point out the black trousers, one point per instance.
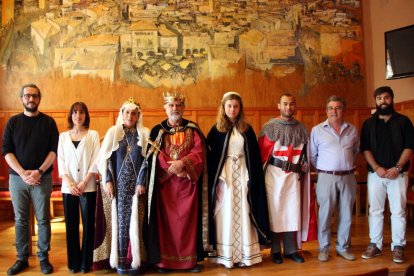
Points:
(289, 242)
(79, 258)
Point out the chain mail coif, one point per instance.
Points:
(286, 132)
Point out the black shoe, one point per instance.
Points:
(163, 270)
(46, 267)
(241, 265)
(73, 270)
(277, 258)
(296, 257)
(195, 269)
(18, 266)
(85, 270)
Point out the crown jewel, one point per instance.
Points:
(168, 97)
(131, 101)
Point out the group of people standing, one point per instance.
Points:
(157, 207)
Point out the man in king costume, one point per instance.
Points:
(282, 145)
(177, 191)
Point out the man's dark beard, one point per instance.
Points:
(30, 109)
(387, 110)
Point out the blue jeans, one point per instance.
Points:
(39, 196)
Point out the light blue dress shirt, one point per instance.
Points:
(332, 152)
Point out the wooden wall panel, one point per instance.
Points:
(307, 117)
(60, 119)
(205, 122)
(408, 109)
(101, 121)
(321, 116)
(264, 117)
(155, 116)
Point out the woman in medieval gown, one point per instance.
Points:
(121, 201)
(238, 216)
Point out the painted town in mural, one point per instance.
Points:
(175, 42)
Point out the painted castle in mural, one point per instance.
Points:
(172, 42)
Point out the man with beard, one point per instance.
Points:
(387, 142)
(177, 191)
(30, 142)
(282, 145)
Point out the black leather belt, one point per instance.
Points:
(337, 172)
(285, 165)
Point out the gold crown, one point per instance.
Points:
(131, 101)
(168, 97)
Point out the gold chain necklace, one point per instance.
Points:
(129, 148)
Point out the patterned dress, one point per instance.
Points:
(124, 166)
(237, 238)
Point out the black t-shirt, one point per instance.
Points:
(30, 139)
(386, 149)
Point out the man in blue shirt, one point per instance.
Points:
(334, 146)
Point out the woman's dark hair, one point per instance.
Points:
(79, 106)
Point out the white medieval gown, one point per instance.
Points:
(237, 239)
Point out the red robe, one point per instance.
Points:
(177, 200)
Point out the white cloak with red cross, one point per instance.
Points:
(283, 191)
(290, 200)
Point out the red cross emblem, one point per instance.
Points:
(290, 152)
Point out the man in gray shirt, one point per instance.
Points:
(334, 146)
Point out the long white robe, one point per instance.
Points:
(237, 239)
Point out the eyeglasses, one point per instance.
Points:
(34, 96)
(336, 108)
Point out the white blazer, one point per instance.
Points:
(77, 162)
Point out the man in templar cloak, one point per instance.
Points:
(290, 200)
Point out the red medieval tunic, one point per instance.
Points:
(177, 199)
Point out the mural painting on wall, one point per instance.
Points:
(173, 43)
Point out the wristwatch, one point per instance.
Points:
(41, 172)
(398, 167)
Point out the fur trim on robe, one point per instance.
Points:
(133, 235)
(113, 258)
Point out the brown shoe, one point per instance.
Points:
(323, 255)
(346, 255)
(398, 254)
(371, 252)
